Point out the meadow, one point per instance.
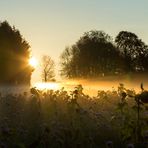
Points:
(60, 119)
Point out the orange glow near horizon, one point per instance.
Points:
(33, 62)
(48, 85)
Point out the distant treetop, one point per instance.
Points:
(95, 54)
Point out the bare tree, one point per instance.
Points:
(48, 66)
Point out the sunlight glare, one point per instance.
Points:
(49, 85)
(33, 62)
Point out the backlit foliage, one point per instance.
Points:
(60, 119)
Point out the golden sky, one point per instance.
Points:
(51, 25)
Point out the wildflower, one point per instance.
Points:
(109, 144)
(34, 91)
(5, 130)
(143, 97)
(146, 134)
(3, 145)
(130, 145)
(123, 94)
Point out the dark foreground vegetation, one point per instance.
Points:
(58, 119)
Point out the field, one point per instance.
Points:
(59, 119)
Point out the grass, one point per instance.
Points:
(58, 119)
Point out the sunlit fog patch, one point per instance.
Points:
(91, 87)
(49, 85)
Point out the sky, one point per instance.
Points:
(51, 25)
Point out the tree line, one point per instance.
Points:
(94, 54)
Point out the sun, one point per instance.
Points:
(33, 62)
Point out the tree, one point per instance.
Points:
(14, 56)
(134, 51)
(48, 66)
(92, 55)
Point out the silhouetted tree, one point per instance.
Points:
(92, 55)
(48, 66)
(134, 51)
(14, 56)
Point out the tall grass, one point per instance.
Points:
(58, 119)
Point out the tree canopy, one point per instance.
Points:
(95, 54)
(92, 55)
(14, 56)
(134, 50)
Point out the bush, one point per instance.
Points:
(60, 119)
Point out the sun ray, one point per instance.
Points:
(33, 62)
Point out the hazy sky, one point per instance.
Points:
(50, 25)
